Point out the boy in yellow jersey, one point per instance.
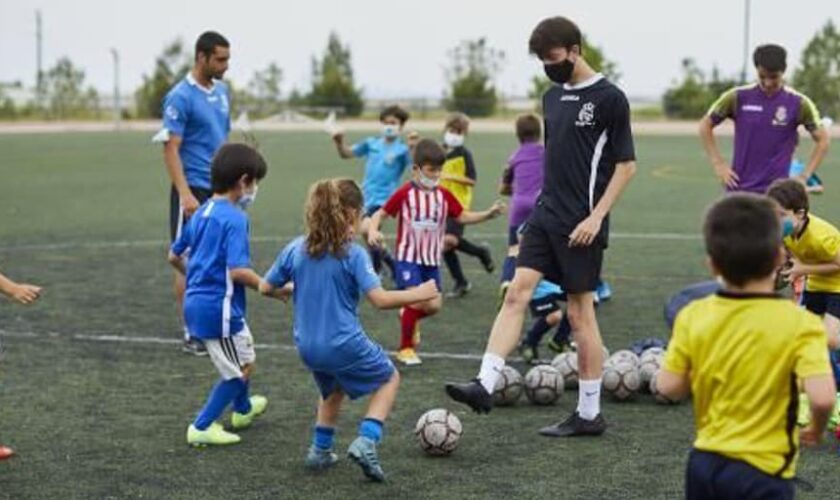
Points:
(459, 177)
(742, 353)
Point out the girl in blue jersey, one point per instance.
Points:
(330, 274)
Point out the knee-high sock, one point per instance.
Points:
(563, 335)
(242, 402)
(453, 263)
(470, 248)
(376, 258)
(372, 429)
(536, 332)
(408, 322)
(222, 394)
(508, 268)
(388, 260)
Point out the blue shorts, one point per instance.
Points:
(360, 378)
(369, 211)
(710, 476)
(822, 303)
(544, 306)
(410, 274)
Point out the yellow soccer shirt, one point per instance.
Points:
(744, 355)
(819, 243)
(459, 162)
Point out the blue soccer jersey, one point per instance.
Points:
(546, 288)
(217, 240)
(386, 162)
(327, 330)
(201, 117)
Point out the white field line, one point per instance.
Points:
(108, 244)
(123, 339)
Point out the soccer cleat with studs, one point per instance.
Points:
(363, 451)
(576, 426)
(472, 394)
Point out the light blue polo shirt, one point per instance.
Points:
(386, 162)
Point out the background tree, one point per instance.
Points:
(818, 75)
(66, 95)
(264, 88)
(333, 85)
(473, 65)
(594, 56)
(690, 97)
(170, 66)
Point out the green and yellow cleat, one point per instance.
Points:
(242, 421)
(215, 435)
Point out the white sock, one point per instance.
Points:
(491, 370)
(589, 398)
(186, 334)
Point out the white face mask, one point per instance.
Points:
(390, 131)
(248, 198)
(452, 139)
(428, 182)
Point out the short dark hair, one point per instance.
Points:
(429, 152)
(743, 236)
(397, 112)
(207, 43)
(552, 33)
(457, 121)
(528, 128)
(771, 57)
(790, 194)
(231, 162)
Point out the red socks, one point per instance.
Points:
(408, 323)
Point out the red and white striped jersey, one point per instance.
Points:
(421, 221)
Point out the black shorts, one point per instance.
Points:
(176, 215)
(513, 235)
(821, 303)
(546, 305)
(454, 228)
(372, 210)
(712, 476)
(544, 249)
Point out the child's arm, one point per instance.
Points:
(506, 183)
(823, 268)
(460, 179)
(375, 238)
(177, 262)
(392, 299)
(344, 152)
(821, 398)
(23, 293)
(673, 386)
(478, 217)
(246, 276)
(281, 293)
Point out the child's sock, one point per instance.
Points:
(408, 322)
(371, 429)
(222, 394)
(536, 332)
(491, 370)
(563, 334)
(508, 268)
(470, 248)
(186, 334)
(376, 258)
(453, 263)
(242, 402)
(323, 437)
(589, 398)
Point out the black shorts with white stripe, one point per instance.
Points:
(176, 214)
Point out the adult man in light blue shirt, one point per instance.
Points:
(196, 123)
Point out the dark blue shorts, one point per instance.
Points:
(821, 303)
(544, 306)
(715, 477)
(359, 378)
(369, 211)
(410, 274)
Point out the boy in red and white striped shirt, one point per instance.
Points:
(421, 208)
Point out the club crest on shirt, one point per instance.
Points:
(586, 115)
(172, 112)
(780, 118)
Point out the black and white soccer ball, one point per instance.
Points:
(621, 381)
(543, 385)
(508, 388)
(567, 364)
(648, 368)
(623, 356)
(438, 432)
(652, 351)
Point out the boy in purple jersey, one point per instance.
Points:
(767, 116)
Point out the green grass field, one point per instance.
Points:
(96, 411)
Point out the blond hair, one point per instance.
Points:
(457, 121)
(333, 207)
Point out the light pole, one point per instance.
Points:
(746, 41)
(117, 107)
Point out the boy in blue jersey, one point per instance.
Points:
(386, 159)
(546, 309)
(217, 272)
(196, 122)
(330, 274)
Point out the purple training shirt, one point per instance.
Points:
(525, 174)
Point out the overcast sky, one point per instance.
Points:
(399, 48)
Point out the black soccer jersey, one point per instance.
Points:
(587, 131)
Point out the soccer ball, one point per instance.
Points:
(621, 381)
(438, 431)
(650, 365)
(508, 387)
(567, 364)
(603, 349)
(653, 390)
(623, 356)
(652, 351)
(543, 385)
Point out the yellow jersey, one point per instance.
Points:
(818, 243)
(744, 355)
(459, 162)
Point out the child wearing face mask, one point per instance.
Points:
(217, 271)
(386, 158)
(421, 208)
(459, 178)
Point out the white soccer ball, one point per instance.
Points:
(543, 385)
(508, 387)
(623, 356)
(621, 381)
(567, 364)
(652, 352)
(650, 365)
(438, 431)
(658, 397)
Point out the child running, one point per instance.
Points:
(421, 209)
(330, 273)
(217, 272)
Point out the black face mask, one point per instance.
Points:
(559, 72)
